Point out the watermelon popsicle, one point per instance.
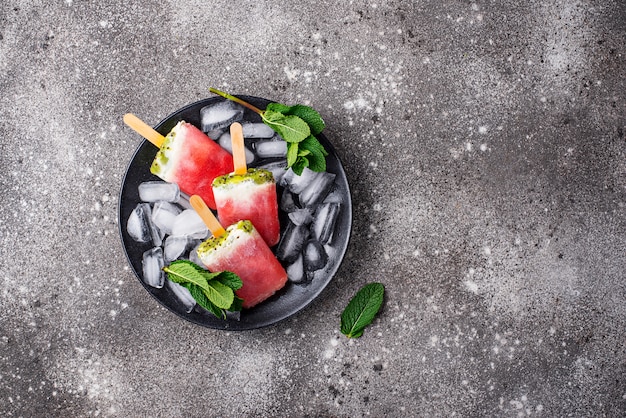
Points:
(186, 156)
(247, 194)
(240, 249)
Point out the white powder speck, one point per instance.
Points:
(482, 129)
(292, 75)
(471, 286)
(516, 404)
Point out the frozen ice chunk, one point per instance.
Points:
(174, 247)
(287, 178)
(152, 263)
(315, 256)
(189, 223)
(155, 232)
(163, 215)
(215, 133)
(220, 115)
(334, 196)
(317, 190)
(257, 130)
(152, 191)
(226, 143)
(295, 271)
(271, 149)
(287, 202)
(324, 221)
(183, 295)
(193, 255)
(278, 169)
(183, 201)
(301, 216)
(298, 183)
(291, 243)
(138, 226)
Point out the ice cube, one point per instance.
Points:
(287, 178)
(174, 247)
(301, 216)
(278, 169)
(226, 143)
(183, 295)
(152, 263)
(220, 115)
(193, 255)
(183, 201)
(295, 271)
(287, 202)
(257, 130)
(292, 242)
(271, 149)
(334, 196)
(298, 183)
(215, 133)
(137, 225)
(152, 191)
(163, 215)
(155, 232)
(317, 190)
(324, 221)
(189, 223)
(315, 256)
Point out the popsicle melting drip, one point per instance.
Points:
(247, 194)
(241, 249)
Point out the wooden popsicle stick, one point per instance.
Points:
(207, 216)
(144, 129)
(239, 150)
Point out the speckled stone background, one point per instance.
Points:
(485, 147)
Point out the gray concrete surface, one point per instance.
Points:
(484, 143)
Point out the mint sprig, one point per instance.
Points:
(215, 292)
(297, 125)
(362, 310)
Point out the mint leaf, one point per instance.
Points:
(212, 291)
(306, 113)
(230, 279)
(290, 128)
(299, 166)
(292, 153)
(316, 154)
(202, 300)
(362, 309)
(182, 271)
(278, 107)
(219, 294)
(237, 304)
(309, 115)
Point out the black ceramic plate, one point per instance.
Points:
(293, 297)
